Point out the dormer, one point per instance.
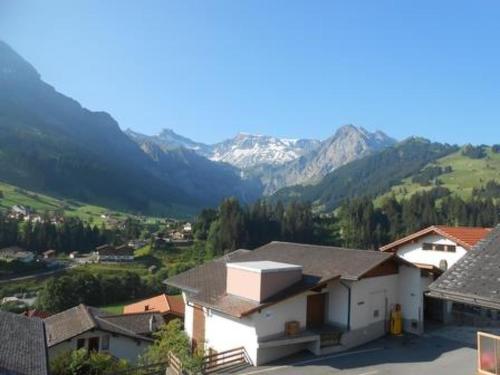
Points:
(260, 280)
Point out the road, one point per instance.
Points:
(388, 356)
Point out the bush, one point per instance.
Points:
(474, 152)
(172, 338)
(81, 362)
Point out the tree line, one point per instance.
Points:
(72, 234)
(358, 223)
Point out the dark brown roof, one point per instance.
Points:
(475, 278)
(79, 319)
(466, 237)
(23, 348)
(144, 323)
(206, 284)
(123, 250)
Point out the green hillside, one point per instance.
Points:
(466, 174)
(12, 195)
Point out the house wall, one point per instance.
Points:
(412, 286)
(413, 252)
(223, 332)
(338, 303)
(119, 346)
(371, 302)
(188, 317)
(243, 283)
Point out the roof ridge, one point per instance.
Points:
(119, 327)
(313, 245)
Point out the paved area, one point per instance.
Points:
(463, 334)
(409, 355)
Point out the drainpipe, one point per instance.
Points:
(348, 304)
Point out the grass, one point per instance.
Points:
(13, 195)
(114, 309)
(466, 174)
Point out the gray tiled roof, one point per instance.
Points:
(144, 323)
(206, 284)
(23, 350)
(474, 279)
(79, 319)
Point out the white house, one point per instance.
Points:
(108, 253)
(285, 297)
(123, 336)
(432, 250)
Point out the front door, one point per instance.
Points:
(94, 344)
(316, 310)
(198, 327)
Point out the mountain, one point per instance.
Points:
(372, 175)
(167, 139)
(280, 162)
(50, 144)
(248, 151)
(347, 144)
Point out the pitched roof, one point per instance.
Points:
(162, 303)
(466, 237)
(122, 250)
(206, 284)
(23, 348)
(143, 323)
(474, 279)
(79, 319)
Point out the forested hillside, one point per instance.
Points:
(370, 176)
(50, 144)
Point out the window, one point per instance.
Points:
(105, 343)
(439, 247)
(80, 343)
(146, 308)
(376, 313)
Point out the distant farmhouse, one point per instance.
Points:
(12, 253)
(109, 253)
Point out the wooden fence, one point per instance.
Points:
(225, 361)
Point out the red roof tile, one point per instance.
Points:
(162, 303)
(466, 237)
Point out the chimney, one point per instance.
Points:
(260, 280)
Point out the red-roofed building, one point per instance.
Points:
(170, 307)
(432, 250)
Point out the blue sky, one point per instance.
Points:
(210, 69)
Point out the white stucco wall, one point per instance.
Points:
(188, 317)
(369, 295)
(338, 303)
(223, 332)
(119, 346)
(413, 252)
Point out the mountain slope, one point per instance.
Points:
(50, 144)
(458, 173)
(371, 175)
(347, 144)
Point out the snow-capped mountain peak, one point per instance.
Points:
(249, 150)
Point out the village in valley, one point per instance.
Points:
(249, 187)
